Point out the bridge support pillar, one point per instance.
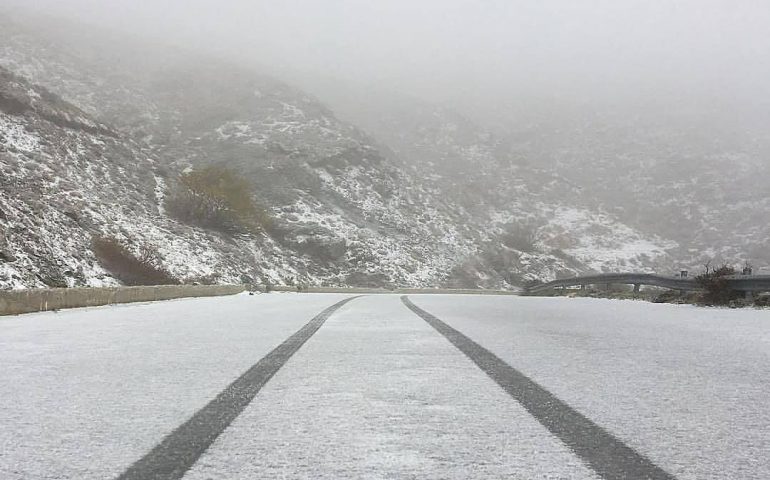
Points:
(749, 296)
(637, 287)
(583, 287)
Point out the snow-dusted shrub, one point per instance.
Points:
(211, 279)
(216, 198)
(520, 236)
(716, 288)
(762, 301)
(143, 268)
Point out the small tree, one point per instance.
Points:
(716, 288)
(748, 268)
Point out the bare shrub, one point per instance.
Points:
(142, 269)
(716, 288)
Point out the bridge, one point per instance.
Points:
(742, 283)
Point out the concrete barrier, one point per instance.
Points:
(14, 302)
(399, 291)
(454, 291)
(283, 288)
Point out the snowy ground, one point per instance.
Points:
(686, 386)
(87, 392)
(377, 393)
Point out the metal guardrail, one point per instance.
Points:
(741, 283)
(750, 283)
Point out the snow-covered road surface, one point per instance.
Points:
(377, 392)
(87, 392)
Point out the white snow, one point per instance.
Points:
(94, 389)
(600, 242)
(377, 393)
(686, 386)
(292, 111)
(13, 135)
(405, 257)
(10, 277)
(160, 193)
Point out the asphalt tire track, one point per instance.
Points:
(607, 455)
(179, 450)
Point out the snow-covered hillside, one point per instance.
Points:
(434, 202)
(502, 190)
(689, 166)
(66, 179)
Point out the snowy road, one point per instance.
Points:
(267, 386)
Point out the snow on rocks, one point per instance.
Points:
(13, 136)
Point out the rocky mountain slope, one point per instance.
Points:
(66, 179)
(517, 199)
(344, 208)
(690, 169)
(686, 172)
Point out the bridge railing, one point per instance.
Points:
(742, 283)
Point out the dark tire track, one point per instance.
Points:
(179, 450)
(608, 456)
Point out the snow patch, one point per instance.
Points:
(14, 136)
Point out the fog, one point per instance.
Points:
(604, 135)
(471, 53)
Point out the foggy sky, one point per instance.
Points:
(471, 49)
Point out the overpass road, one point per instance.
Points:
(740, 283)
(336, 386)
